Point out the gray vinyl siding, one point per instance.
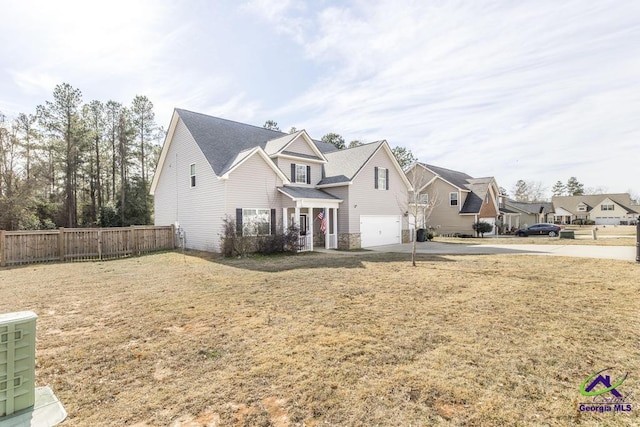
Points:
(253, 185)
(197, 209)
(316, 170)
(344, 208)
(445, 218)
(365, 199)
(300, 146)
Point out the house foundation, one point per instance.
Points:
(349, 241)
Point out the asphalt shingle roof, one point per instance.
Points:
(459, 179)
(307, 193)
(221, 140)
(343, 165)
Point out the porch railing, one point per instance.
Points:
(304, 243)
(333, 241)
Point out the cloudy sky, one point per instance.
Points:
(539, 90)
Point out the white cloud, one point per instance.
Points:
(502, 89)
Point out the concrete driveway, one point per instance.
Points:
(626, 253)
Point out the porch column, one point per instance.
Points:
(310, 226)
(335, 225)
(326, 228)
(285, 221)
(296, 218)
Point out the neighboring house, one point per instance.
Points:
(605, 209)
(528, 213)
(458, 199)
(211, 169)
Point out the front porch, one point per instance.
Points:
(315, 214)
(318, 226)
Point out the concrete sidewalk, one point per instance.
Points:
(625, 253)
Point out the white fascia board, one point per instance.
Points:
(165, 149)
(305, 159)
(385, 144)
(265, 157)
(309, 141)
(337, 184)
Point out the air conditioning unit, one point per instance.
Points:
(17, 361)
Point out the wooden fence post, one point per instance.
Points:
(61, 245)
(173, 236)
(134, 241)
(3, 260)
(100, 243)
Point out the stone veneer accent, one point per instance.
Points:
(349, 241)
(406, 236)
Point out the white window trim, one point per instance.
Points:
(301, 173)
(382, 178)
(246, 231)
(456, 199)
(192, 175)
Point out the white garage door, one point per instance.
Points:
(608, 220)
(376, 230)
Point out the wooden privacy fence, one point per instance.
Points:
(77, 244)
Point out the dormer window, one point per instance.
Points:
(582, 207)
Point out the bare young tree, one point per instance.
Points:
(422, 200)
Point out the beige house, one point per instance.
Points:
(528, 213)
(602, 209)
(458, 200)
(211, 169)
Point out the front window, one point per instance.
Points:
(453, 199)
(256, 222)
(301, 173)
(607, 207)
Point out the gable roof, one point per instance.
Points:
(279, 145)
(458, 179)
(530, 207)
(343, 165)
(221, 140)
(477, 188)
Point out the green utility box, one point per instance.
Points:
(567, 234)
(17, 361)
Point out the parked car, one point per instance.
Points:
(550, 230)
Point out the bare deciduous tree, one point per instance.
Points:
(422, 200)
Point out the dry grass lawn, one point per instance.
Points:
(331, 339)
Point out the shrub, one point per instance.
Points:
(233, 244)
(482, 227)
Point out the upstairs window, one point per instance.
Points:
(381, 178)
(453, 199)
(300, 173)
(607, 207)
(192, 173)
